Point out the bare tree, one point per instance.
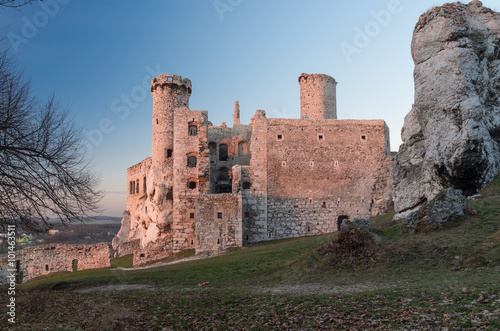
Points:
(15, 3)
(43, 168)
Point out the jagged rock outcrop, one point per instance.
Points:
(451, 137)
(446, 206)
(150, 218)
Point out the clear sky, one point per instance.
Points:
(99, 58)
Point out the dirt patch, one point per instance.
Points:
(116, 287)
(324, 288)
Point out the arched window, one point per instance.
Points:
(247, 185)
(223, 152)
(193, 130)
(137, 186)
(144, 186)
(191, 161)
(132, 188)
(242, 147)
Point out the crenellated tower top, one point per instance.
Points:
(163, 80)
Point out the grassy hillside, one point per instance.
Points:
(445, 278)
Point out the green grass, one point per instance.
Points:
(471, 242)
(125, 261)
(439, 274)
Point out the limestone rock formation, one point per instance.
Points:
(150, 219)
(446, 206)
(451, 137)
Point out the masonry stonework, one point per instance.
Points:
(48, 259)
(212, 188)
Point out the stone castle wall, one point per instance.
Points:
(291, 177)
(48, 259)
(191, 172)
(218, 222)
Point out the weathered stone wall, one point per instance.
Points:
(128, 247)
(191, 172)
(237, 140)
(218, 222)
(161, 248)
(318, 96)
(320, 170)
(48, 259)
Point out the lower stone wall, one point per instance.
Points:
(290, 217)
(218, 222)
(153, 251)
(128, 247)
(47, 259)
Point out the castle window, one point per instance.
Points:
(363, 138)
(213, 148)
(192, 185)
(311, 163)
(279, 137)
(132, 188)
(191, 215)
(192, 242)
(219, 215)
(169, 79)
(224, 183)
(193, 130)
(46, 267)
(242, 147)
(321, 137)
(223, 152)
(283, 163)
(156, 121)
(218, 241)
(144, 185)
(247, 185)
(169, 153)
(137, 187)
(191, 161)
(324, 204)
(308, 228)
(336, 163)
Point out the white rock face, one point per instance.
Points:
(150, 218)
(451, 137)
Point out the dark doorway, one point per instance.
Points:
(224, 183)
(340, 220)
(223, 152)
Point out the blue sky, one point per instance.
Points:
(99, 57)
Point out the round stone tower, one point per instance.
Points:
(318, 96)
(169, 92)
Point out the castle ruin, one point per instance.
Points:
(213, 188)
